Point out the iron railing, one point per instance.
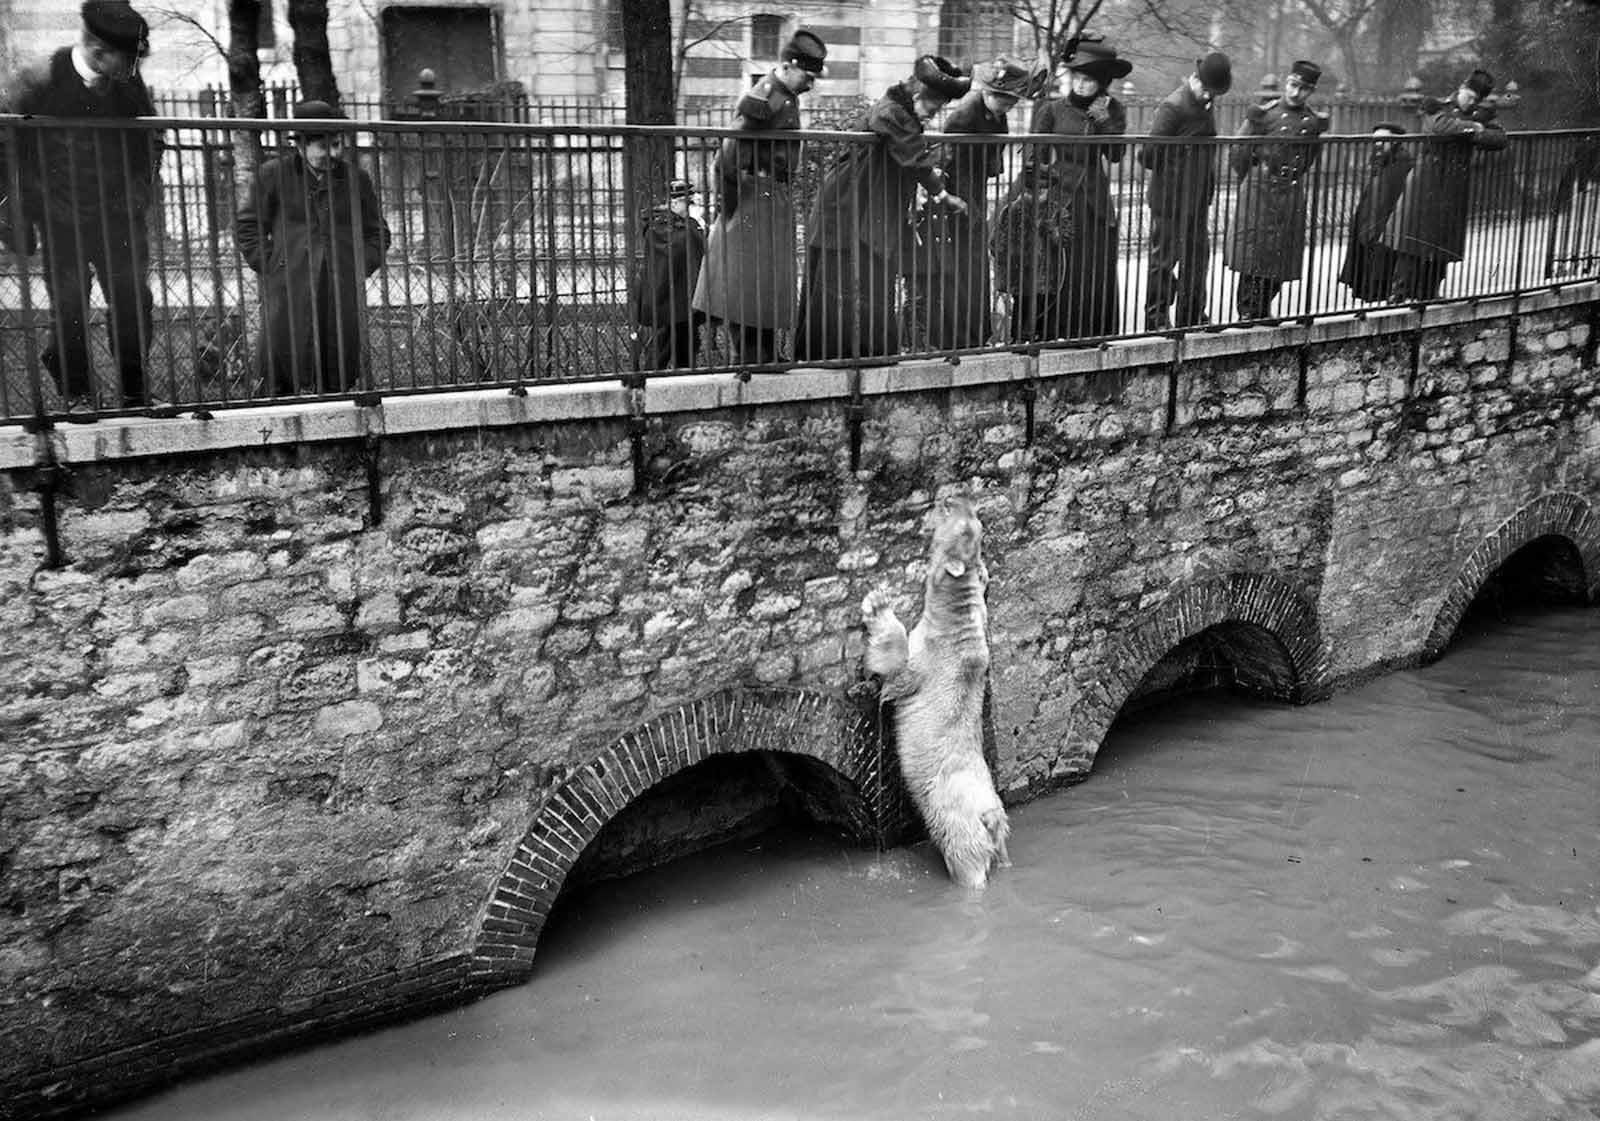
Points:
(523, 252)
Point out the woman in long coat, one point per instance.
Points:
(1085, 305)
(862, 236)
(1428, 230)
(748, 278)
(950, 293)
(312, 229)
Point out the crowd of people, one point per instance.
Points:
(901, 250)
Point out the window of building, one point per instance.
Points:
(973, 31)
(612, 31)
(766, 36)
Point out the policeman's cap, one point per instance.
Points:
(806, 51)
(1309, 73)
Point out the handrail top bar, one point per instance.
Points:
(345, 125)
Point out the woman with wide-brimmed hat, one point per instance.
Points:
(1085, 304)
(861, 238)
(949, 299)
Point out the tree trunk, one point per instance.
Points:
(647, 47)
(244, 86)
(1400, 28)
(312, 64)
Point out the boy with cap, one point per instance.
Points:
(312, 230)
(1368, 268)
(1268, 237)
(84, 193)
(1428, 229)
(674, 246)
(748, 279)
(1183, 178)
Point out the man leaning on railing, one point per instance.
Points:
(83, 196)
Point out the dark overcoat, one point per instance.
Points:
(868, 194)
(951, 281)
(1368, 265)
(1430, 220)
(1268, 234)
(314, 240)
(674, 246)
(751, 261)
(1183, 177)
(77, 179)
(1085, 301)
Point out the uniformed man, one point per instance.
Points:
(1268, 237)
(750, 270)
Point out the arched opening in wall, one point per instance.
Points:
(1546, 572)
(1229, 658)
(708, 816)
(1240, 657)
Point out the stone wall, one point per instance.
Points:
(326, 701)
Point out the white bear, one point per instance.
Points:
(936, 679)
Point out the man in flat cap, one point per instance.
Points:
(312, 229)
(83, 196)
(1183, 177)
(1268, 236)
(1428, 229)
(862, 237)
(748, 278)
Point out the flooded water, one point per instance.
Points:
(1383, 906)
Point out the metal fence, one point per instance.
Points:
(516, 253)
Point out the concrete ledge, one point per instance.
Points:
(279, 425)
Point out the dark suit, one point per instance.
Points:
(1182, 180)
(84, 192)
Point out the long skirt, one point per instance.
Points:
(949, 296)
(749, 272)
(1085, 305)
(848, 307)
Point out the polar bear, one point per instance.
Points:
(936, 678)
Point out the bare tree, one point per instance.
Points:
(1343, 20)
(313, 64)
(1055, 25)
(711, 33)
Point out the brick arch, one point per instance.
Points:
(1562, 514)
(829, 729)
(1266, 618)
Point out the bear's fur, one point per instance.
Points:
(936, 678)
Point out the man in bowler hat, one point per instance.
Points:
(1183, 177)
(83, 193)
(1268, 237)
(748, 278)
(312, 230)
